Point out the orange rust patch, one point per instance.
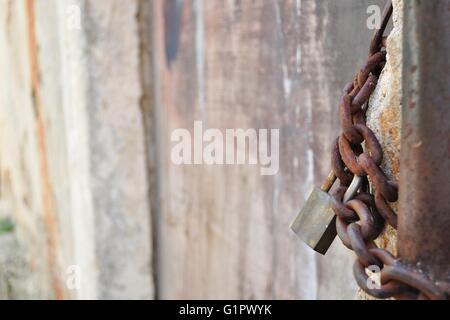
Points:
(389, 123)
(47, 194)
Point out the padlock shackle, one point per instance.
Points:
(329, 181)
(353, 188)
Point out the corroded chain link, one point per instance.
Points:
(361, 220)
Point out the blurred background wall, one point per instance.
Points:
(90, 94)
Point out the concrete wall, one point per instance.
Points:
(86, 116)
(73, 158)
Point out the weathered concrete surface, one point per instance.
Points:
(73, 154)
(223, 230)
(384, 116)
(118, 160)
(79, 133)
(22, 175)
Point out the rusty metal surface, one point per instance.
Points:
(424, 219)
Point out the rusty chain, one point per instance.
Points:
(361, 220)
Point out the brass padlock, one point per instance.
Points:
(315, 224)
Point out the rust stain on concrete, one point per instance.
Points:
(389, 124)
(49, 212)
(384, 118)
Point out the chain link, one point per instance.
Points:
(361, 220)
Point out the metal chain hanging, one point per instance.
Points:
(358, 153)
